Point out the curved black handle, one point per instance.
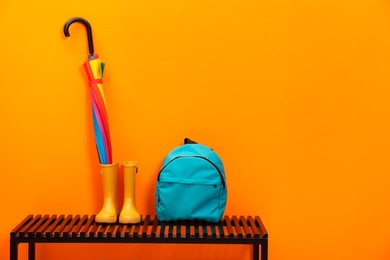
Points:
(87, 26)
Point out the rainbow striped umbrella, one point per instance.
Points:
(94, 68)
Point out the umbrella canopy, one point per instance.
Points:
(94, 68)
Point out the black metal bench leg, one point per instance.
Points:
(13, 250)
(264, 250)
(255, 252)
(31, 251)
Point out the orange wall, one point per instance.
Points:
(294, 96)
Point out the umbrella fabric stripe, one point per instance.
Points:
(103, 126)
(102, 103)
(102, 139)
(100, 87)
(95, 63)
(98, 99)
(101, 115)
(99, 141)
(100, 134)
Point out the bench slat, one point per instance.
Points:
(104, 230)
(262, 229)
(244, 224)
(237, 226)
(77, 229)
(154, 228)
(28, 225)
(32, 230)
(145, 226)
(229, 226)
(254, 227)
(170, 229)
(123, 230)
(53, 227)
(69, 228)
(41, 231)
(221, 231)
(21, 224)
(136, 230)
(93, 232)
(114, 232)
(86, 227)
(62, 226)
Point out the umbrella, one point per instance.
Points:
(94, 68)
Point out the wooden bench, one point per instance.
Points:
(83, 229)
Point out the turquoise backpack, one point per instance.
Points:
(191, 185)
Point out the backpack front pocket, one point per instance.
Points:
(188, 201)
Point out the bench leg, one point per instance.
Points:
(256, 252)
(13, 250)
(264, 250)
(31, 251)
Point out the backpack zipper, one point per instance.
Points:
(194, 156)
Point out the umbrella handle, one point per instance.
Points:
(87, 26)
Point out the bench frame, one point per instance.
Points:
(83, 229)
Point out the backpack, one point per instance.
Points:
(191, 184)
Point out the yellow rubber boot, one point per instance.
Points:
(129, 213)
(109, 212)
